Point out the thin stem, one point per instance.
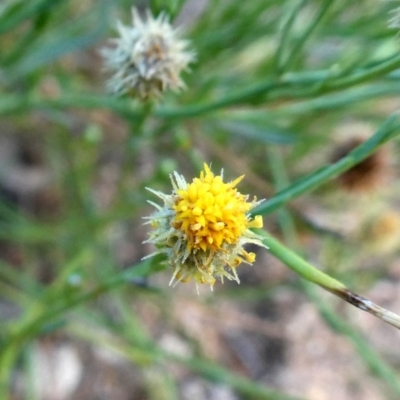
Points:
(314, 275)
(299, 265)
(387, 131)
(357, 77)
(375, 363)
(324, 82)
(286, 27)
(281, 181)
(137, 131)
(304, 37)
(34, 320)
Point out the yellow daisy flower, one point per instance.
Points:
(202, 228)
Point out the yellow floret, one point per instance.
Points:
(203, 228)
(211, 212)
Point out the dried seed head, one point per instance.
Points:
(147, 58)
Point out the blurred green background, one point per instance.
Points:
(279, 89)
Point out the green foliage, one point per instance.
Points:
(273, 84)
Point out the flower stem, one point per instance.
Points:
(375, 363)
(313, 274)
(299, 265)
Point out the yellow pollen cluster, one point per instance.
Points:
(202, 228)
(212, 213)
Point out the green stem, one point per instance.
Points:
(388, 130)
(355, 95)
(34, 320)
(302, 40)
(286, 27)
(319, 82)
(138, 132)
(314, 275)
(281, 181)
(299, 265)
(365, 75)
(375, 363)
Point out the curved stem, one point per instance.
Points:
(314, 275)
(375, 363)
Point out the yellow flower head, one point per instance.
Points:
(203, 226)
